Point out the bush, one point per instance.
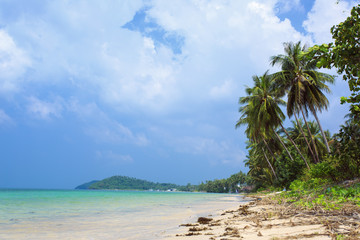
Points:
(313, 184)
(325, 170)
(288, 170)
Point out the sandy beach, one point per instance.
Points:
(262, 218)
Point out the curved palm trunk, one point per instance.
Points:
(267, 159)
(307, 142)
(296, 147)
(283, 144)
(322, 132)
(310, 135)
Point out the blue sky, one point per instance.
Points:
(147, 89)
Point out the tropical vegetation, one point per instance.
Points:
(127, 183)
(344, 55)
(234, 183)
(280, 155)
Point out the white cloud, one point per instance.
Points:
(82, 44)
(115, 133)
(323, 16)
(224, 90)
(101, 128)
(4, 118)
(284, 6)
(44, 109)
(228, 39)
(217, 152)
(13, 63)
(114, 158)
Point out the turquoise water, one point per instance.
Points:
(75, 214)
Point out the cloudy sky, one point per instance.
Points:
(147, 89)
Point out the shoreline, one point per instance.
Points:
(263, 218)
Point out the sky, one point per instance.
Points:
(141, 88)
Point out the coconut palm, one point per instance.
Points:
(265, 101)
(257, 168)
(253, 131)
(317, 137)
(296, 134)
(302, 83)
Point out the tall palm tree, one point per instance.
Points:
(316, 135)
(302, 83)
(253, 131)
(266, 106)
(265, 101)
(296, 133)
(257, 168)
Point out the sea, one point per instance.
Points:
(96, 214)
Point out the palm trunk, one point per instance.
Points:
(307, 142)
(267, 159)
(297, 149)
(283, 144)
(310, 135)
(322, 132)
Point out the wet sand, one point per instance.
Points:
(265, 219)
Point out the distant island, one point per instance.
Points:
(86, 185)
(127, 183)
(235, 183)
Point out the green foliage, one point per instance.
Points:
(230, 184)
(86, 185)
(311, 184)
(318, 193)
(344, 54)
(346, 150)
(188, 188)
(128, 183)
(274, 166)
(325, 170)
(288, 170)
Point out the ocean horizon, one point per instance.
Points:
(103, 214)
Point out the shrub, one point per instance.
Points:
(325, 169)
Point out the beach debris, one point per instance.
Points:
(204, 220)
(198, 229)
(192, 234)
(188, 234)
(189, 225)
(292, 223)
(268, 213)
(215, 223)
(229, 211)
(232, 232)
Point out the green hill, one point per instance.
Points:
(129, 183)
(86, 185)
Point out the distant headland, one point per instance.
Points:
(127, 183)
(235, 183)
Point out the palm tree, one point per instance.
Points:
(296, 134)
(266, 105)
(317, 137)
(253, 130)
(317, 101)
(257, 168)
(303, 84)
(265, 101)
